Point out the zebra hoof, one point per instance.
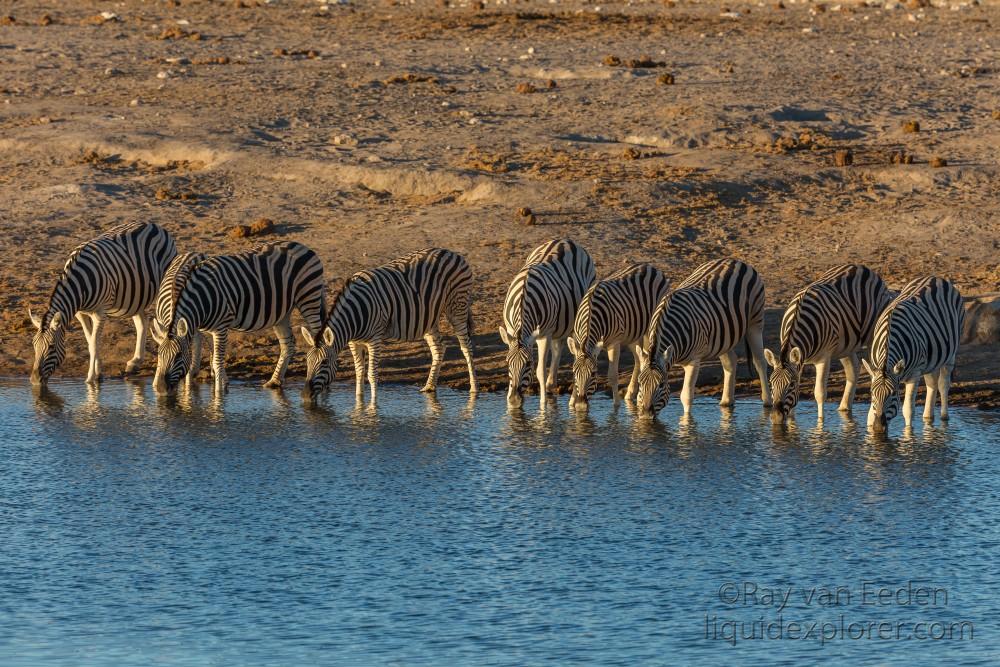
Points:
(132, 367)
(844, 408)
(272, 384)
(429, 388)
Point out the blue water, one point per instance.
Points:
(251, 531)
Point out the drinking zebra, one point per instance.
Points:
(401, 300)
(115, 275)
(716, 307)
(832, 318)
(166, 299)
(917, 334)
(245, 292)
(614, 312)
(541, 307)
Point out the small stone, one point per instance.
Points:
(526, 88)
(112, 71)
(911, 126)
(524, 211)
(665, 79)
(843, 158)
(45, 20)
(165, 74)
(938, 162)
(135, 102)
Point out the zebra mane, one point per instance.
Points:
(587, 303)
(180, 281)
(792, 319)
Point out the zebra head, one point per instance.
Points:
(50, 347)
(321, 363)
(584, 372)
(518, 366)
(653, 390)
(173, 358)
(784, 383)
(884, 394)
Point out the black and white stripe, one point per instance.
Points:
(115, 275)
(402, 300)
(916, 335)
(541, 307)
(245, 292)
(831, 318)
(716, 307)
(615, 312)
(166, 299)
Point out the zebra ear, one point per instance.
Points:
(504, 336)
(898, 368)
(668, 357)
(771, 358)
(308, 337)
(795, 356)
(868, 369)
(571, 344)
(56, 321)
(158, 332)
(34, 319)
(328, 337)
(182, 327)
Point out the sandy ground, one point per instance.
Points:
(369, 129)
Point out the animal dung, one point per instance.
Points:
(262, 226)
(610, 61)
(527, 217)
(526, 88)
(631, 153)
(901, 157)
(550, 84)
(174, 32)
(911, 126)
(938, 162)
(665, 79)
(843, 158)
(46, 19)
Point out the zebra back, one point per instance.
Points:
(836, 313)
(254, 289)
(921, 328)
(118, 272)
(544, 295)
(404, 299)
(620, 306)
(709, 313)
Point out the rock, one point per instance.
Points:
(911, 126)
(982, 320)
(938, 162)
(843, 158)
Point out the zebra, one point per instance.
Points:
(716, 307)
(831, 318)
(615, 312)
(917, 334)
(244, 292)
(541, 307)
(166, 299)
(401, 300)
(116, 274)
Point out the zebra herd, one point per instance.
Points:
(555, 298)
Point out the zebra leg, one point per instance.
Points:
(141, 323)
(192, 375)
(944, 386)
(436, 343)
(931, 381)
(614, 355)
(374, 351)
(819, 391)
(220, 339)
(728, 361)
(459, 315)
(358, 356)
(543, 346)
(909, 398)
(690, 380)
(97, 326)
(286, 340)
(755, 340)
(633, 383)
(554, 354)
(850, 364)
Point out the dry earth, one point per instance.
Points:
(369, 129)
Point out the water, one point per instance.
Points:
(253, 532)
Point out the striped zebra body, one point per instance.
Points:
(166, 299)
(245, 292)
(716, 307)
(831, 318)
(115, 275)
(402, 300)
(615, 312)
(540, 308)
(916, 335)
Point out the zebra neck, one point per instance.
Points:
(68, 296)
